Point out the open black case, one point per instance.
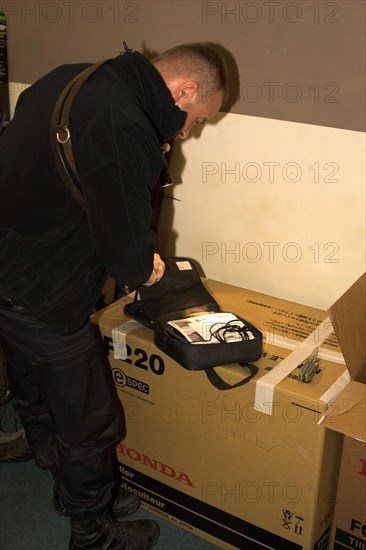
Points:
(181, 294)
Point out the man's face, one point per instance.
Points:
(198, 111)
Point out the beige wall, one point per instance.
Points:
(270, 205)
(15, 89)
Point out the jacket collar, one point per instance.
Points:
(152, 93)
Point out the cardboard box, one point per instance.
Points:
(247, 468)
(347, 415)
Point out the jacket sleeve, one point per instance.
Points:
(119, 161)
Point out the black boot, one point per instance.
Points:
(102, 533)
(124, 503)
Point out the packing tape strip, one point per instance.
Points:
(332, 393)
(286, 343)
(264, 389)
(335, 389)
(119, 338)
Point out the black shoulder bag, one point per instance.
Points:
(180, 296)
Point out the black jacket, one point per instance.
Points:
(54, 257)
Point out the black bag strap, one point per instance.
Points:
(60, 132)
(220, 384)
(61, 139)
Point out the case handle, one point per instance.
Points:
(220, 384)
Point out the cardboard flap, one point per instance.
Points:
(348, 316)
(347, 415)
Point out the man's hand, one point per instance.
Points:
(158, 271)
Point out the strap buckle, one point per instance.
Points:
(64, 129)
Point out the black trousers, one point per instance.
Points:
(68, 407)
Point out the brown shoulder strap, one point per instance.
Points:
(60, 133)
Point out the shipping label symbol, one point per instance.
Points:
(298, 526)
(287, 521)
(287, 516)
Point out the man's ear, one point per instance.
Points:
(185, 92)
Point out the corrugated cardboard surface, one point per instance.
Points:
(212, 462)
(349, 524)
(348, 316)
(347, 415)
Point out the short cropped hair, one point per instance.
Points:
(196, 61)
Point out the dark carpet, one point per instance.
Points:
(28, 522)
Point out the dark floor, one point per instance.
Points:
(27, 521)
